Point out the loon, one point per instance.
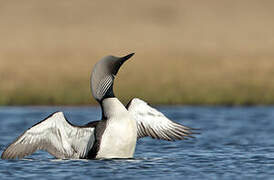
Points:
(114, 136)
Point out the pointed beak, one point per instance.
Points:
(119, 62)
(126, 57)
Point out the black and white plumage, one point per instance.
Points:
(55, 135)
(153, 123)
(114, 136)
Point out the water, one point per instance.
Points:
(235, 143)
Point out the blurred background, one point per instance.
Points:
(187, 52)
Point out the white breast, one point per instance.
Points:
(120, 135)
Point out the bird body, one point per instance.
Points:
(120, 136)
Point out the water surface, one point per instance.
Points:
(235, 143)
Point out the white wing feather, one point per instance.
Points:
(54, 135)
(153, 123)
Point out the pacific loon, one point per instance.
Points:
(114, 136)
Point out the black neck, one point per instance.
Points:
(108, 94)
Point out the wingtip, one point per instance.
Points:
(7, 155)
(3, 155)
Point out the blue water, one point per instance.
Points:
(235, 143)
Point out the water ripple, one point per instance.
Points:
(235, 143)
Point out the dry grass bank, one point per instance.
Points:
(187, 52)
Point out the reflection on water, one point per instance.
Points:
(235, 143)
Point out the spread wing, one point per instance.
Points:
(151, 122)
(54, 135)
